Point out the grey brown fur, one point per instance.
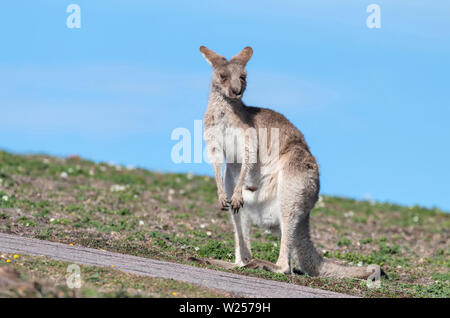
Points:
(278, 192)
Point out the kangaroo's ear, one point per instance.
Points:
(243, 57)
(212, 57)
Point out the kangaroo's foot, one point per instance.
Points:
(268, 266)
(298, 271)
(215, 262)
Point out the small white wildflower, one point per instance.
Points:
(213, 220)
(117, 188)
(70, 170)
(202, 226)
(5, 198)
(171, 191)
(190, 176)
(349, 214)
(415, 219)
(91, 172)
(275, 244)
(399, 266)
(52, 220)
(360, 264)
(64, 175)
(208, 233)
(196, 248)
(141, 222)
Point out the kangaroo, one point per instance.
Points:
(277, 192)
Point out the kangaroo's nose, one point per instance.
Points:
(236, 91)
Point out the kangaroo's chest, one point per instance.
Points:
(224, 132)
(216, 124)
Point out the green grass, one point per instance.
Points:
(174, 216)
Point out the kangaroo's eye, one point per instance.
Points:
(223, 77)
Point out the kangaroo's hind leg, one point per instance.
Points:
(241, 221)
(296, 195)
(286, 203)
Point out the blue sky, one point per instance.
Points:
(373, 103)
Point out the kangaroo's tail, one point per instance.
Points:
(311, 262)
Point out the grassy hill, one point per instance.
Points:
(174, 216)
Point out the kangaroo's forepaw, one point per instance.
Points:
(237, 202)
(223, 201)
